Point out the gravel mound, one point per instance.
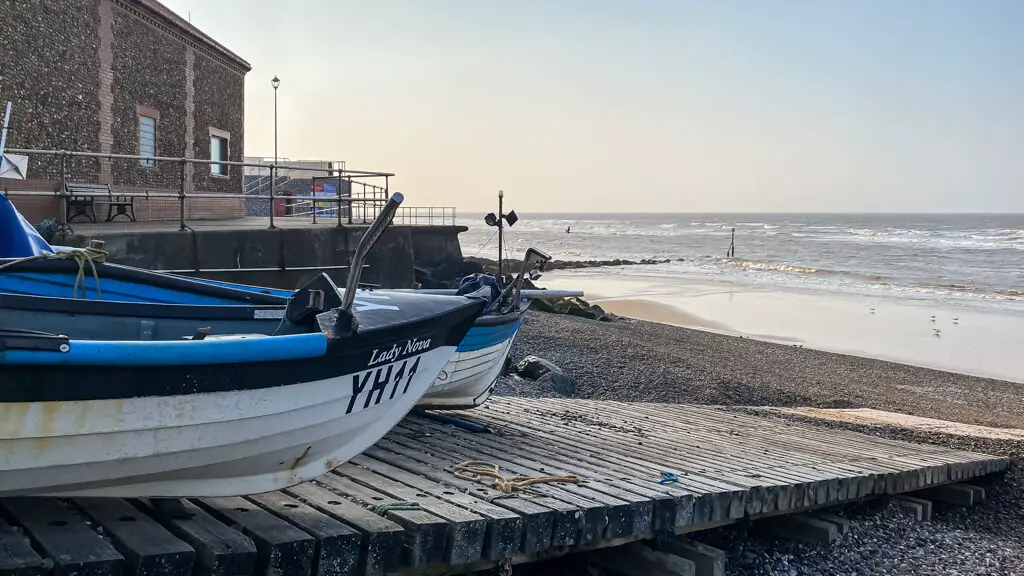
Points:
(632, 360)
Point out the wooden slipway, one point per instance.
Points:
(647, 470)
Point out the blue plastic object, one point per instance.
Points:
(18, 238)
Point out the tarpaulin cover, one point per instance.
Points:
(18, 238)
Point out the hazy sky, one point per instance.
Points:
(645, 105)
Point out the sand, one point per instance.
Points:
(974, 341)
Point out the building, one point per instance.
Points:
(122, 77)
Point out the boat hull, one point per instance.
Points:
(208, 444)
(468, 378)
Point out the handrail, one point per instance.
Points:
(362, 199)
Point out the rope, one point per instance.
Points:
(474, 469)
(396, 506)
(484, 245)
(90, 255)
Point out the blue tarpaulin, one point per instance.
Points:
(18, 238)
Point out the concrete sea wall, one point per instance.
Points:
(390, 263)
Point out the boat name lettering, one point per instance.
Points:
(416, 345)
(382, 378)
(394, 353)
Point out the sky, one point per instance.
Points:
(645, 105)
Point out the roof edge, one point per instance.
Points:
(186, 27)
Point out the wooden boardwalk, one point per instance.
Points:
(646, 470)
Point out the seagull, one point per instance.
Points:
(937, 331)
(872, 310)
(933, 318)
(956, 320)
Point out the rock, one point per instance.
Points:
(425, 279)
(559, 382)
(533, 367)
(492, 265)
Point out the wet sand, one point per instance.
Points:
(972, 341)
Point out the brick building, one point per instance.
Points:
(121, 77)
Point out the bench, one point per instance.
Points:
(82, 202)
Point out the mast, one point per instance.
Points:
(501, 216)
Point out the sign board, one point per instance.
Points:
(13, 166)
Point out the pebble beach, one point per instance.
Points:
(636, 360)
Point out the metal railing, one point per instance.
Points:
(162, 193)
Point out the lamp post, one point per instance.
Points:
(275, 82)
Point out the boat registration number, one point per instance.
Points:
(373, 386)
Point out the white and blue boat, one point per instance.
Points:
(130, 383)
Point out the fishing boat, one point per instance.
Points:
(468, 379)
(103, 396)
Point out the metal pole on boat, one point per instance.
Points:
(370, 237)
(501, 199)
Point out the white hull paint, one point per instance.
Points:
(468, 378)
(201, 445)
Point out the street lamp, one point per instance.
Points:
(275, 82)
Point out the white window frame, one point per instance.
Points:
(142, 116)
(218, 170)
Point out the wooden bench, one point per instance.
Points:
(82, 199)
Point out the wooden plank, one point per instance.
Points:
(920, 509)
(381, 551)
(337, 545)
(635, 558)
(711, 457)
(567, 522)
(814, 489)
(220, 551)
(592, 516)
(465, 529)
(669, 507)
(281, 549)
(424, 535)
(538, 519)
(601, 480)
(713, 502)
(621, 509)
(64, 537)
(707, 561)
(958, 494)
(148, 548)
(503, 530)
(664, 507)
(17, 558)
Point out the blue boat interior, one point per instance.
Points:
(134, 305)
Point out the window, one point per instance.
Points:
(147, 140)
(218, 152)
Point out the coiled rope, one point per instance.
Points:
(91, 255)
(474, 469)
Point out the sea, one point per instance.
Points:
(974, 260)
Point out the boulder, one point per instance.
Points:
(533, 367)
(546, 373)
(559, 382)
